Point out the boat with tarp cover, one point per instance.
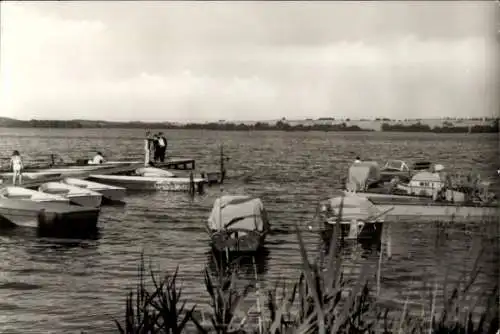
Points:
(431, 193)
(238, 223)
(357, 217)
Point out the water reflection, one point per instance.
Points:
(248, 266)
(63, 237)
(365, 246)
(32, 234)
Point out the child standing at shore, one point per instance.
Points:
(16, 164)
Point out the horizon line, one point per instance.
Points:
(323, 118)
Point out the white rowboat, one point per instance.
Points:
(77, 195)
(14, 192)
(111, 193)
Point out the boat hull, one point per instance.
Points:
(149, 183)
(50, 218)
(237, 241)
(112, 195)
(369, 231)
(89, 201)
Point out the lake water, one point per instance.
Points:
(61, 287)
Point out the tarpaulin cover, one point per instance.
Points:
(361, 174)
(354, 207)
(238, 212)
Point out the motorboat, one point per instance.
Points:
(77, 195)
(401, 170)
(238, 223)
(151, 183)
(153, 172)
(430, 193)
(110, 193)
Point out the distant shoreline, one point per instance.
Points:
(282, 125)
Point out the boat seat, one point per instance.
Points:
(56, 191)
(19, 196)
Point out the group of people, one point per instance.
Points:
(156, 148)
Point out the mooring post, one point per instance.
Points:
(222, 169)
(191, 184)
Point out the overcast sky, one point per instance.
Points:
(136, 60)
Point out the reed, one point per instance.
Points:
(320, 301)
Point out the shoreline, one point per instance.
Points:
(444, 126)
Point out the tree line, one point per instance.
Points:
(446, 128)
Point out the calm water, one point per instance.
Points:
(62, 287)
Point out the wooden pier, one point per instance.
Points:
(106, 169)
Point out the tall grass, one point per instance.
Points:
(320, 301)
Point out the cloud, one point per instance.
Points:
(105, 69)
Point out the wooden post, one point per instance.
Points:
(222, 169)
(191, 184)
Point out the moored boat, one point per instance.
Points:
(54, 218)
(238, 223)
(76, 195)
(6, 177)
(357, 216)
(429, 194)
(132, 182)
(402, 170)
(110, 193)
(21, 193)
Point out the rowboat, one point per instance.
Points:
(55, 218)
(110, 193)
(238, 223)
(132, 182)
(76, 195)
(31, 195)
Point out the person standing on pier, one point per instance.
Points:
(149, 149)
(157, 148)
(162, 146)
(17, 166)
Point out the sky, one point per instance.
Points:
(190, 61)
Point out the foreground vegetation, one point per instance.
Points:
(321, 301)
